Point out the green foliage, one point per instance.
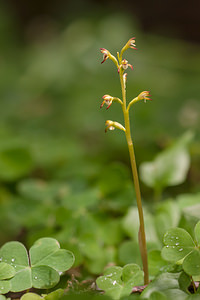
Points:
(118, 282)
(40, 269)
(180, 248)
(55, 295)
(166, 284)
(170, 167)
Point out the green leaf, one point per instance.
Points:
(184, 281)
(5, 286)
(156, 262)
(6, 271)
(21, 281)
(14, 254)
(166, 283)
(178, 243)
(44, 277)
(46, 251)
(57, 294)
(129, 253)
(46, 261)
(2, 297)
(167, 215)
(157, 296)
(31, 296)
(192, 297)
(118, 282)
(169, 167)
(191, 263)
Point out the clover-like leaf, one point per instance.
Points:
(46, 261)
(184, 281)
(31, 296)
(156, 262)
(166, 283)
(6, 271)
(5, 286)
(191, 264)
(46, 251)
(178, 244)
(118, 282)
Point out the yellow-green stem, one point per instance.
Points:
(141, 233)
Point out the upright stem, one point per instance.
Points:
(141, 233)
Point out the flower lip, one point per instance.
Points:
(125, 65)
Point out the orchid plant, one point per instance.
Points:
(122, 65)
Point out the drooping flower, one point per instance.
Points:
(107, 99)
(106, 54)
(110, 125)
(144, 96)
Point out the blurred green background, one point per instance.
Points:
(55, 160)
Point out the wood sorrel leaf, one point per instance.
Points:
(14, 254)
(118, 282)
(46, 251)
(5, 286)
(46, 261)
(178, 243)
(31, 296)
(191, 264)
(44, 277)
(6, 271)
(166, 283)
(184, 281)
(156, 262)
